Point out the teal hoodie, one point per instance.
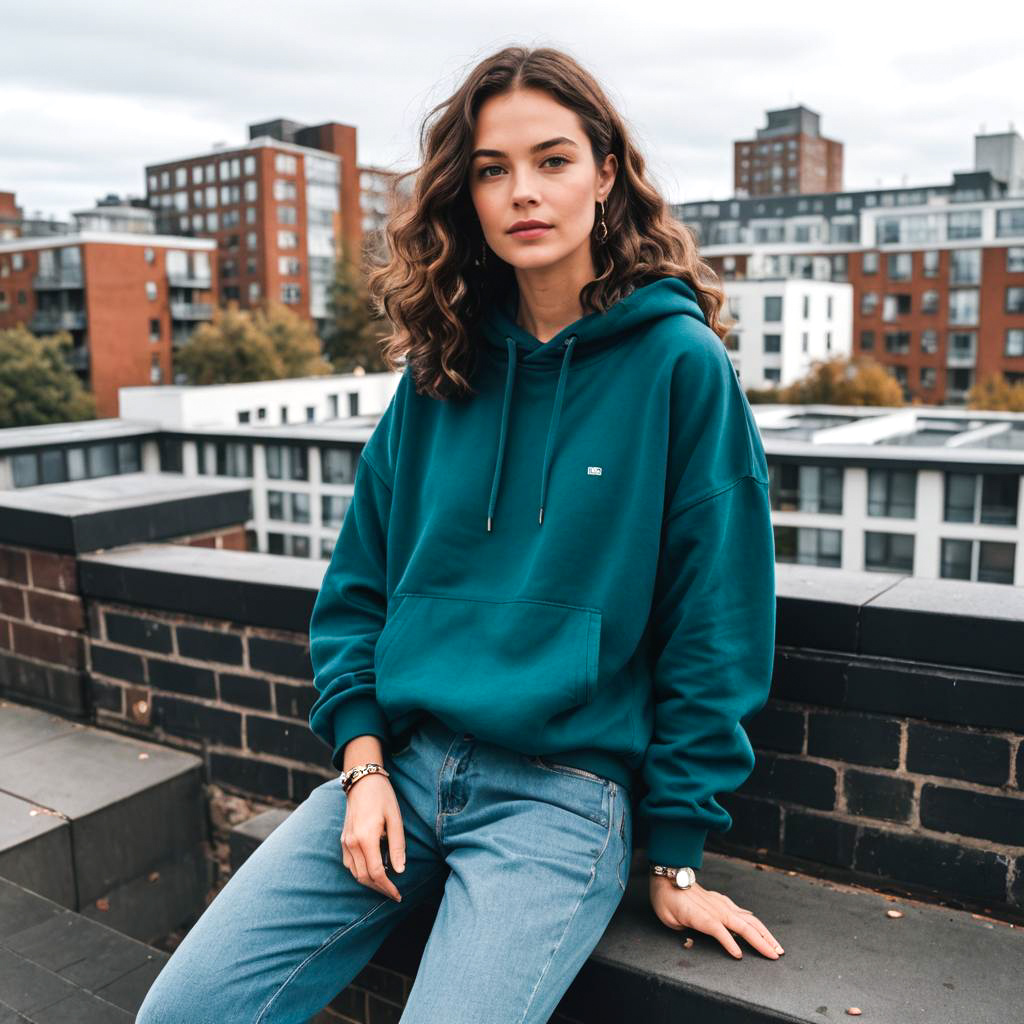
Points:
(577, 562)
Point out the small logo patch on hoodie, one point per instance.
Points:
(593, 470)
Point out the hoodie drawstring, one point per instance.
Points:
(556, 413)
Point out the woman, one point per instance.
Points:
(552, 596)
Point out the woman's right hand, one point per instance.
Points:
(372, 811)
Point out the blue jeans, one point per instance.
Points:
(533, 858)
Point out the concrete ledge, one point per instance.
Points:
(58, 966)
(104, 512)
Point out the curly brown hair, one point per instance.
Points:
(430, 289)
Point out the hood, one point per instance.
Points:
(505, 341)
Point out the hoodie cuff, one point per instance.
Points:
(360, 715)
(676, 845)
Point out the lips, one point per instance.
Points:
(530, 225)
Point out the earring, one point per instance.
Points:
(603, 237)
(482, 261)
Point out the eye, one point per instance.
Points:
(562, 158)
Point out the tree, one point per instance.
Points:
(36, 383)
(235, 346)
(995, 393)
(294, 339)
(352, 336)
(859, 380)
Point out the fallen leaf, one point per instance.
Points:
(894, 913)
(854, 1011)
(103, 903)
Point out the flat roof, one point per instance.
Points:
(107, 238)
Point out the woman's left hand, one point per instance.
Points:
(710, 912)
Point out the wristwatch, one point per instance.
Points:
(682, 877)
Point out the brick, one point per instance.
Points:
(859, 739)
(970, 813)
(285, 739)
(817, 838)
(777, 728)
(809, 680)
(1020, 765)
(108, 696)
(873, 795)
(67, 649)
(795, 781)
(61, 611)
(51, 571)
(197, 721)
(110, 661)
(94, 616)
(933, 864)
(295, 701)
(50, 686)
(13, 565)
(280, 658)
(958, 754)
(303, 783)
(210, 645)
(755, 823)
(379, 981)
(12, 601)
(179, 678)
(136, 631)
(250, 691)
(251, 775)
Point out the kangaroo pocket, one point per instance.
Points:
(501, 669)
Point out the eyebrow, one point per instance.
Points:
(560, 141)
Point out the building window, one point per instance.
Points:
(981, 498)
(963, 306)
(807, 307)
(896, 305)
(154, 329)
(869, 263)
(892, 492)
(284, 189)
(251, 191)
(284, 163)
(897, 342)
(867, 340)
(286, 462)
(796, 488)
(868, 303)
(150, 289)
(337, 465)
(963, 224)
(333, 508)
(250, 165)
(889, 552)
(286, 215)
(211, 222)
(994, 560)
(773, 343)
(1015, 300)
(900, 266)
(808, 545)
(930, 302)
(773, 307)
(930, 263)
(234, 459)
(1014, 342)
(928, 377)
(930, 340)
(291, 293)
(965, 266)
(149, 254)
(287, 240)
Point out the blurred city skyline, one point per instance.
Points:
(90, 95)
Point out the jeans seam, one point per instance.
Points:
(579, 903)
(329, 941)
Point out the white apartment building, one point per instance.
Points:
(784, 325)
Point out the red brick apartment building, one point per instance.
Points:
(126, 300)
(788, 157)
(937, 271)
(277, 207)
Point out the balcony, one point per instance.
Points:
(46, 321)
(65, 277)
(78, 358)
(191, 311)
(189, 280)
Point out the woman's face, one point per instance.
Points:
(558, 184)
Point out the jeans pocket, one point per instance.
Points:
(567, 769)
(622, 872)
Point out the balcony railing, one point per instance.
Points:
(48, 320)
(191, 311)
(64, 277)
(189, 280)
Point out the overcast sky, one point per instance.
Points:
(91, 93)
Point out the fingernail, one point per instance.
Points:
(401, 867)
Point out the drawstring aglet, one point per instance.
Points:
(540, 518)
(488, 524)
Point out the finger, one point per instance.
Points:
(355, 851)
(396, 838)
(720, 932)
(375, 868)
(745, 927)
(769, 938)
